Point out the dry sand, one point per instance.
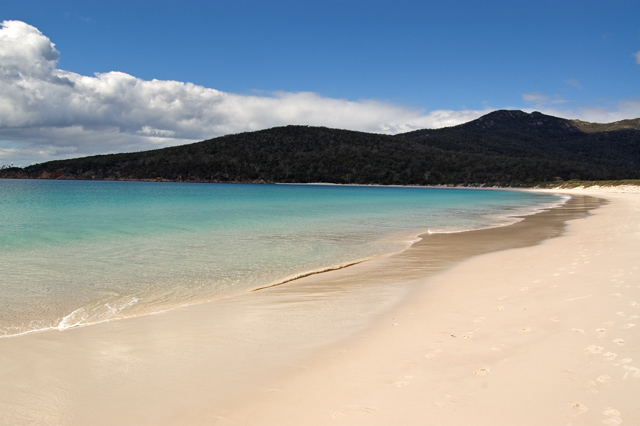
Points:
(543, 334)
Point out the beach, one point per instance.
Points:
(529, 324)
(537, 335)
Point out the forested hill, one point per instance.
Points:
(508, 148)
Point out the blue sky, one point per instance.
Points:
(133, 75)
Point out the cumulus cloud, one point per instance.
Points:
(48, 113)
(637, 56)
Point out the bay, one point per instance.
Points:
(81, 252)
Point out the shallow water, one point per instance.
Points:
(80, 252)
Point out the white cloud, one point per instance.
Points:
(574, 83)
(49, 113)
(624, 109)
(637, 56)
(541, 99)
(25, 50)
(534, 97)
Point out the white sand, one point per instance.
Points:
(542, 335)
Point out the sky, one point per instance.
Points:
(84, 77)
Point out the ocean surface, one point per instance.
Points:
(81, 252)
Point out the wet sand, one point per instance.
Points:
(486, 327)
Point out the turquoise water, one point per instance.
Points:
(81, 252)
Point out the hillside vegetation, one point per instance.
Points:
(507, 148)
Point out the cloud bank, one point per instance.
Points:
(48, 113)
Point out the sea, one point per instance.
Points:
(76, 253)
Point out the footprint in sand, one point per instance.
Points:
(593, 349)
(623, 362)
(593, 384)
(601, 332)
(634, 316)
(613, 417)
(500, 308)
(577, 408)
(610, 356)
(627, 326)
(634, 303)
(577, 330)
(405, 381)
(479, 320)
(611, 412)
(619, 341)
(634, 371)
(525, 330)
(481, 371)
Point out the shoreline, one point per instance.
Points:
(541, 334)
(412, 237)
(171, 369)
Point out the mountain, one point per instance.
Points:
(516, 134)
(508, 148)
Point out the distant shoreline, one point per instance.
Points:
(625, 185)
